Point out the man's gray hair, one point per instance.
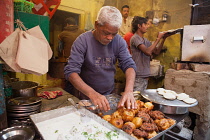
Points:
(109, 15)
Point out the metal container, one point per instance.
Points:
(164, 105)
(195, 43)
(24, 88)
(17, 133)
(88, 105)
(65, 127)
(171, 109)
(22, 107)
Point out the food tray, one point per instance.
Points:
(60, 114)
(114, 99)
(153, 96)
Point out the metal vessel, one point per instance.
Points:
(167, 106)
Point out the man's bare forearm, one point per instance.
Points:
(130, 78)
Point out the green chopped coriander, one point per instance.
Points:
(110, 134)
(85, 133)
(56, 131)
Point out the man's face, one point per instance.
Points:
(125, 12)
(105, 33)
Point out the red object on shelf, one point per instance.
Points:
(46, 6)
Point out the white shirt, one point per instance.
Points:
(125, 27)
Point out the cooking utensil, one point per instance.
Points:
(195, 43)
(17, 133)
(24, 101)
(166, 106)
(88, 105)
(84, 118)
(72, 102)
(24, 88)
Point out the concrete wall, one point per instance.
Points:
(179, 13)
(82, 7)
(196, 85)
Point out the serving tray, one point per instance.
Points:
(58, 124)
(114, 99)
(153, 96)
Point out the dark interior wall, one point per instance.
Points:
(60, 16)
(201, 13)
(57, 23)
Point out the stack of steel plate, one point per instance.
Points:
(19, 109)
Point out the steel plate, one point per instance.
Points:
(153, 96)
(17, 133)
(24, 101)
(23, 108)
(25, 114)
(23, 111)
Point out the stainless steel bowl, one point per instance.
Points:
(171, 109)
(88, 105)
(17, 133)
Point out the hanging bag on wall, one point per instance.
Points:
(26, 51)
(8, 51)
(33, 51)
(32, 54)
(37, 32)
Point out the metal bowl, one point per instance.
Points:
(171, 109)
(17, 133)
(88, 105)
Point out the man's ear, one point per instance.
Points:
(139, 26)
(96, 24)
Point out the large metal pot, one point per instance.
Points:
(24, 89)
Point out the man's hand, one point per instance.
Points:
(161, 34)
(127, 100)
(100, 101)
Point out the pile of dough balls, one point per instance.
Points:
(172, 95)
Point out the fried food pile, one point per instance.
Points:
(141, 123)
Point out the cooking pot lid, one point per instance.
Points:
(24, 101)
(153, 96)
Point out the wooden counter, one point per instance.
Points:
(58, 102)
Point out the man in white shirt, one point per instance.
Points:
(126, 21)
